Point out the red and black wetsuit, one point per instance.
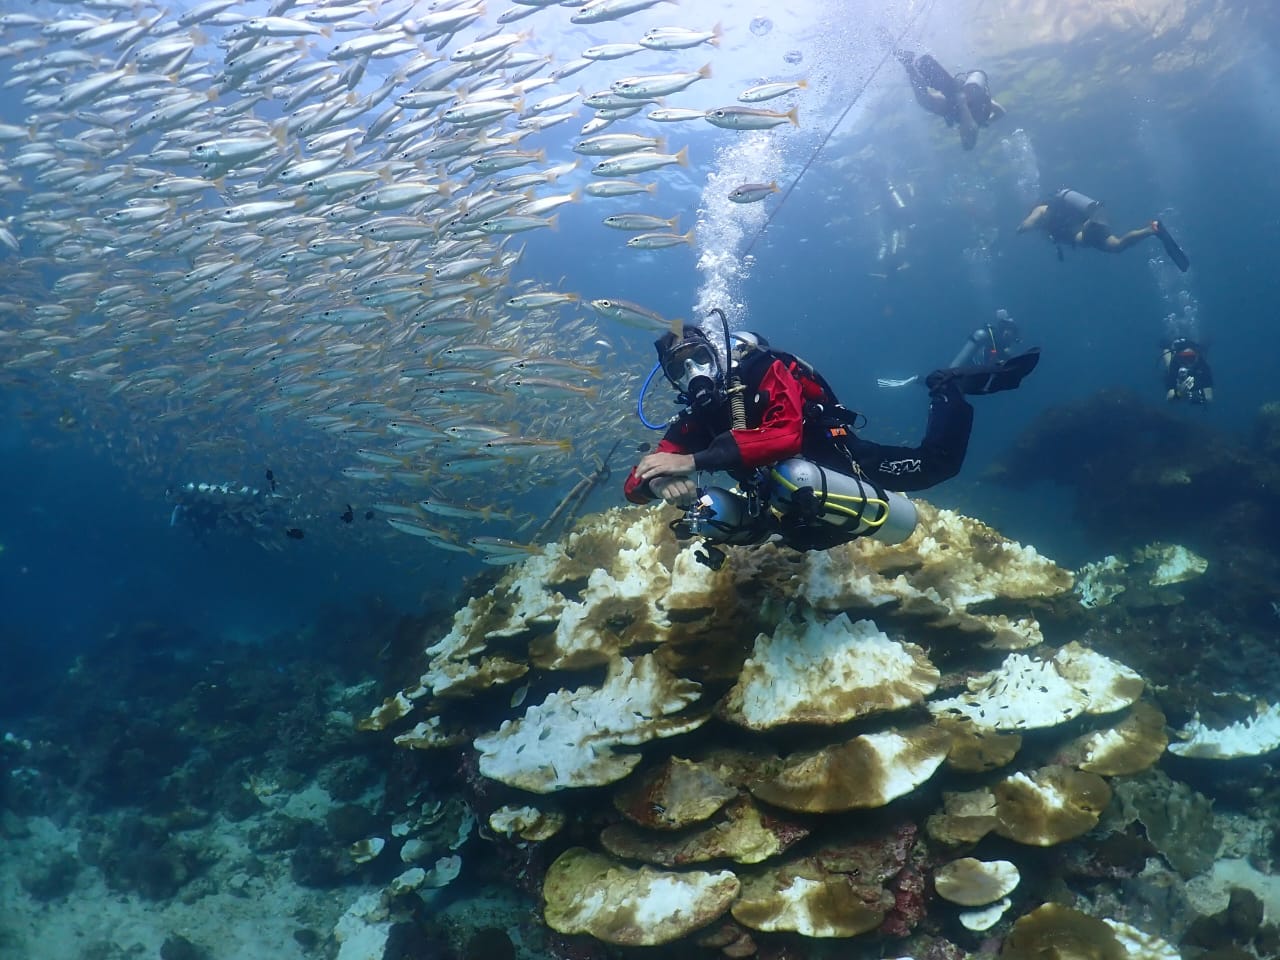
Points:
(1197, 367)
(792, 411)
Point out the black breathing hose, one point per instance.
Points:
(737, 402)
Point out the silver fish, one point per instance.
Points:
(751, 118)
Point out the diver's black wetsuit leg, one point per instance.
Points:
(939, 456)
(932, 73)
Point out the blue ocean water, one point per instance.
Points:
(171, 697)
(86, 535)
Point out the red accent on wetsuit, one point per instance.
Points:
(779, 435)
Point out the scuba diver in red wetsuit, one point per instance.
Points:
(775, 425)
(1187, 375)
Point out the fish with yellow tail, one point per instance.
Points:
(658, 241)
(767, 91)
(640, 162)
(752, 192)
(679, 38)
(751, 118)
(499, 551)
(599, 11)
(631, 314)
(658, 84)
(640, 221)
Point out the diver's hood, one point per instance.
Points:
(691, 364)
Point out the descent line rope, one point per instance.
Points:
(923, 12)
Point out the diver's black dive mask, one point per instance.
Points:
(693, 368)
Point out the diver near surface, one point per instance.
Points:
(1186, 372)
(989, 344)
(962, 100)
(774, 424)
(1070, 218)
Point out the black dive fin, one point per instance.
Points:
(1171, 247)
(1005, 375)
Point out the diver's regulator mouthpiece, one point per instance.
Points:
(701, 391)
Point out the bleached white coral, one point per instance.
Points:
(1099, 582)
(951, 564)
(827, 671)
(363, 931)
(1142, 946)
(969, 563)
(1156, 565)
(1027, 694)
(525, 822)
(1174, 563)
(568, 739)
(585, 892)
(1249, 738)
(986, 917)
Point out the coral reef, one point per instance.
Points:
(1070, 933)
(1215, 630)
(976, 883)
(189, 797)
(795, 757)
(1170, 461)
(736, 716)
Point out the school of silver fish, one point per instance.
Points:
(290, 230)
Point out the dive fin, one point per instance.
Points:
(1171, 246)
(993, 378)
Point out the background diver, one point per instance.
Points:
(775, 425)
(962, 100)
(1069, 218)
(1186, 372)
(208, 509)
(988, 344)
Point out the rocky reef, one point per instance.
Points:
(1201, 625)
(185, 796)
(944, 749)
(870, 746)
(1179, 478)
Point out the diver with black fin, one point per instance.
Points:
(962, 100)
(985, 348)
(1070, 218)
(804, 476)
(982, 379)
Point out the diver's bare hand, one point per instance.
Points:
(679, 491)
(665, 465)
